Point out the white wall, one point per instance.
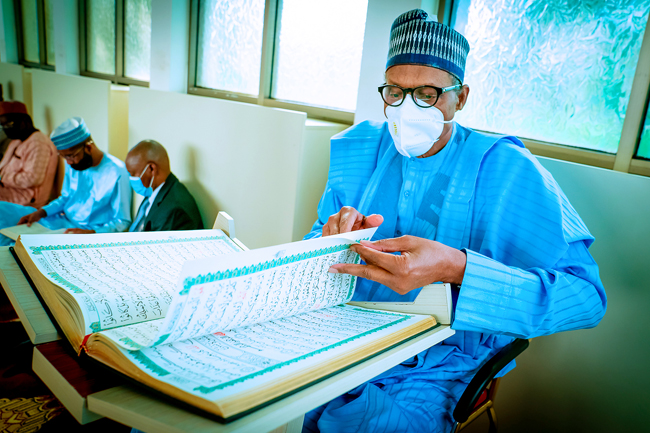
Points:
(594, 380)
(170, 24)
(380, 17)
(314, 165)
(12, 80)
(57, 97)
(240, 158)
(66, 36)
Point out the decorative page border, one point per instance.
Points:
(148, 364)
(127, 341)
(39, 250)
(259, 267)
(62, 281)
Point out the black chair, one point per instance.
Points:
(481, 391)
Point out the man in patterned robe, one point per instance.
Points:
(28, 164)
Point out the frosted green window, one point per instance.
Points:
(100, 36)
(49, 31)
(229, 50)
(644, 145)
(29, 21)
(551, 70)
(137, 39)
(319, 55)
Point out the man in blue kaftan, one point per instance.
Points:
(95, 197)
(459, 207)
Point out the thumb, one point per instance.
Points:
(373, 220)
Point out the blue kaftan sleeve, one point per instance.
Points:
(528, 271)
(121, 206)
(329, 204)
(57, 205)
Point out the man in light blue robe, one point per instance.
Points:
(95, 197)
(451, 205)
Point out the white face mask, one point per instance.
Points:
(414, 129)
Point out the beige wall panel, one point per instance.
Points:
(57, 97)
(315, 161)
(593, 380)
(118, 119)
(240, 158)
(11, 78)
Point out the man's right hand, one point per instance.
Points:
(348, 219)
(32, 217)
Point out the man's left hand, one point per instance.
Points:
(421, 262)
(78, 232)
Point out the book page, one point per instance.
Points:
(122, 278)
(251, 287)
(225, 363)
(34, 229)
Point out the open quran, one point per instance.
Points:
(23, 229)
(193, 316)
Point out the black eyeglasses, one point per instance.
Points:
(423, 96)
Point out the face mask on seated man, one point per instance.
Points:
(95, 197)
(166, 204)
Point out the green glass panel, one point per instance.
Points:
(229, 50)
(551, 70)
(49, 31)
(137, 39)
(30, 30)
(100, 36)
(319, 60)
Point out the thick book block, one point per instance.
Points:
(69, 380)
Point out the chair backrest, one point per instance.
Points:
(58, 179)
(476, 389)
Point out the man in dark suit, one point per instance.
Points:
(167, 204)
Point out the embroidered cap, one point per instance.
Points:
(417, 40)
(12, 107)
(70, 133)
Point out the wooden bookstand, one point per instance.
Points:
(434, 299)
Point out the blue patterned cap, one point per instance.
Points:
(70, 133)
(417, 40)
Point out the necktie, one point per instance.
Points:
(138, 224)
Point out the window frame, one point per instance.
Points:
(118, 77)
(42, 38)
(268, 70)
(625, 159)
